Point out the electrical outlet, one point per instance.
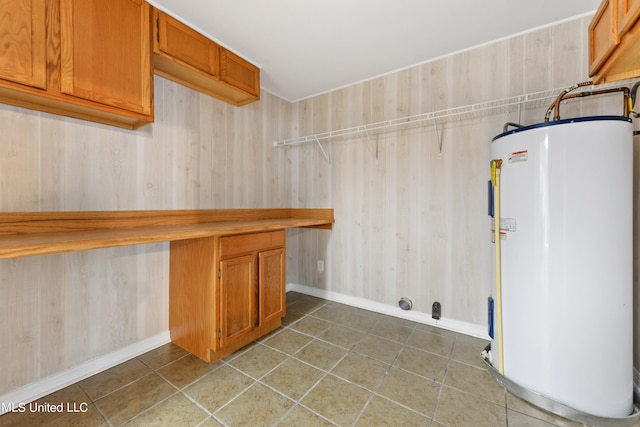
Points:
(320, 266)
(436, 310)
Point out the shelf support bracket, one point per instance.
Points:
(439, 137)
(324, 153)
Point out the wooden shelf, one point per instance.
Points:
(41, 233)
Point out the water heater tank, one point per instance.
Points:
(566, 263)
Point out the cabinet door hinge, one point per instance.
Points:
(158, 29)
(219, 274)
(219, 333)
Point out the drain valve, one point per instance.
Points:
(436, 310)
(405, 303)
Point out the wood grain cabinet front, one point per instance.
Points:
(88, 59)
(614, 41)
(185, 56)
(23, 42)
(226, 291)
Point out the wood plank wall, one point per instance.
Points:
(408, 222)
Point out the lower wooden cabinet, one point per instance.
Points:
(225, 292)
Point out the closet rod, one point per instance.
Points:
(505, 105)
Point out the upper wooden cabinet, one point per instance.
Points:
(88, 59)
(22, 50)
(187, 57)
(614, 41)
(106, 52)
(628, 12)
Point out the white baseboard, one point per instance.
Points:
(478, 331)
(55, 382)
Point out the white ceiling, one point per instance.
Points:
(307, 47)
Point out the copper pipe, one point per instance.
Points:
(562, 94)
(594, 92)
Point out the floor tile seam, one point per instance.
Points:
(471, 365)
(239, 352)
(254, 378)
(338, 321)
(299, 400)
(302, 405)
(402, 405)
(439, 383)
(435, 407)
(314, 309)
(288, 357)
(374, 392)
(304, 362)
(344, 326)
(298, 350)
(427, 351)
(554, 423)
(163, 366)
(376, 387)
(190, 383)
(233, 399)
(328, 370)
(327, 342)
(325, 373)
(195, 402)
(257, 382)
(177, 392)
(317, 337)
(242, 391)
(104, 417)
(431, 379)
(476, 396)
(125, 386)
(403, 342)
(364, 407)
(432, 352)
(392, 366)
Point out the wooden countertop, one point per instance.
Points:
(40, 233)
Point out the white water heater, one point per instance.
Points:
(566, 229)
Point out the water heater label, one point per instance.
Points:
(508, 224)
(519, 156)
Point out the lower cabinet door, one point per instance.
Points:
(271, 284)
(237, 298)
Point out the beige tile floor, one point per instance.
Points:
(329, 365)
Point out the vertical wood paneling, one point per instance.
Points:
(19, 165)
(62, 310)
(408, 223)
(413, 223)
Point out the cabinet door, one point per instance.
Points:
(629, 11)
(106, 52)
(603, 34)
(272, 290)
(239, 73)
(22, 42)
(181, 43)
(237, 298)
